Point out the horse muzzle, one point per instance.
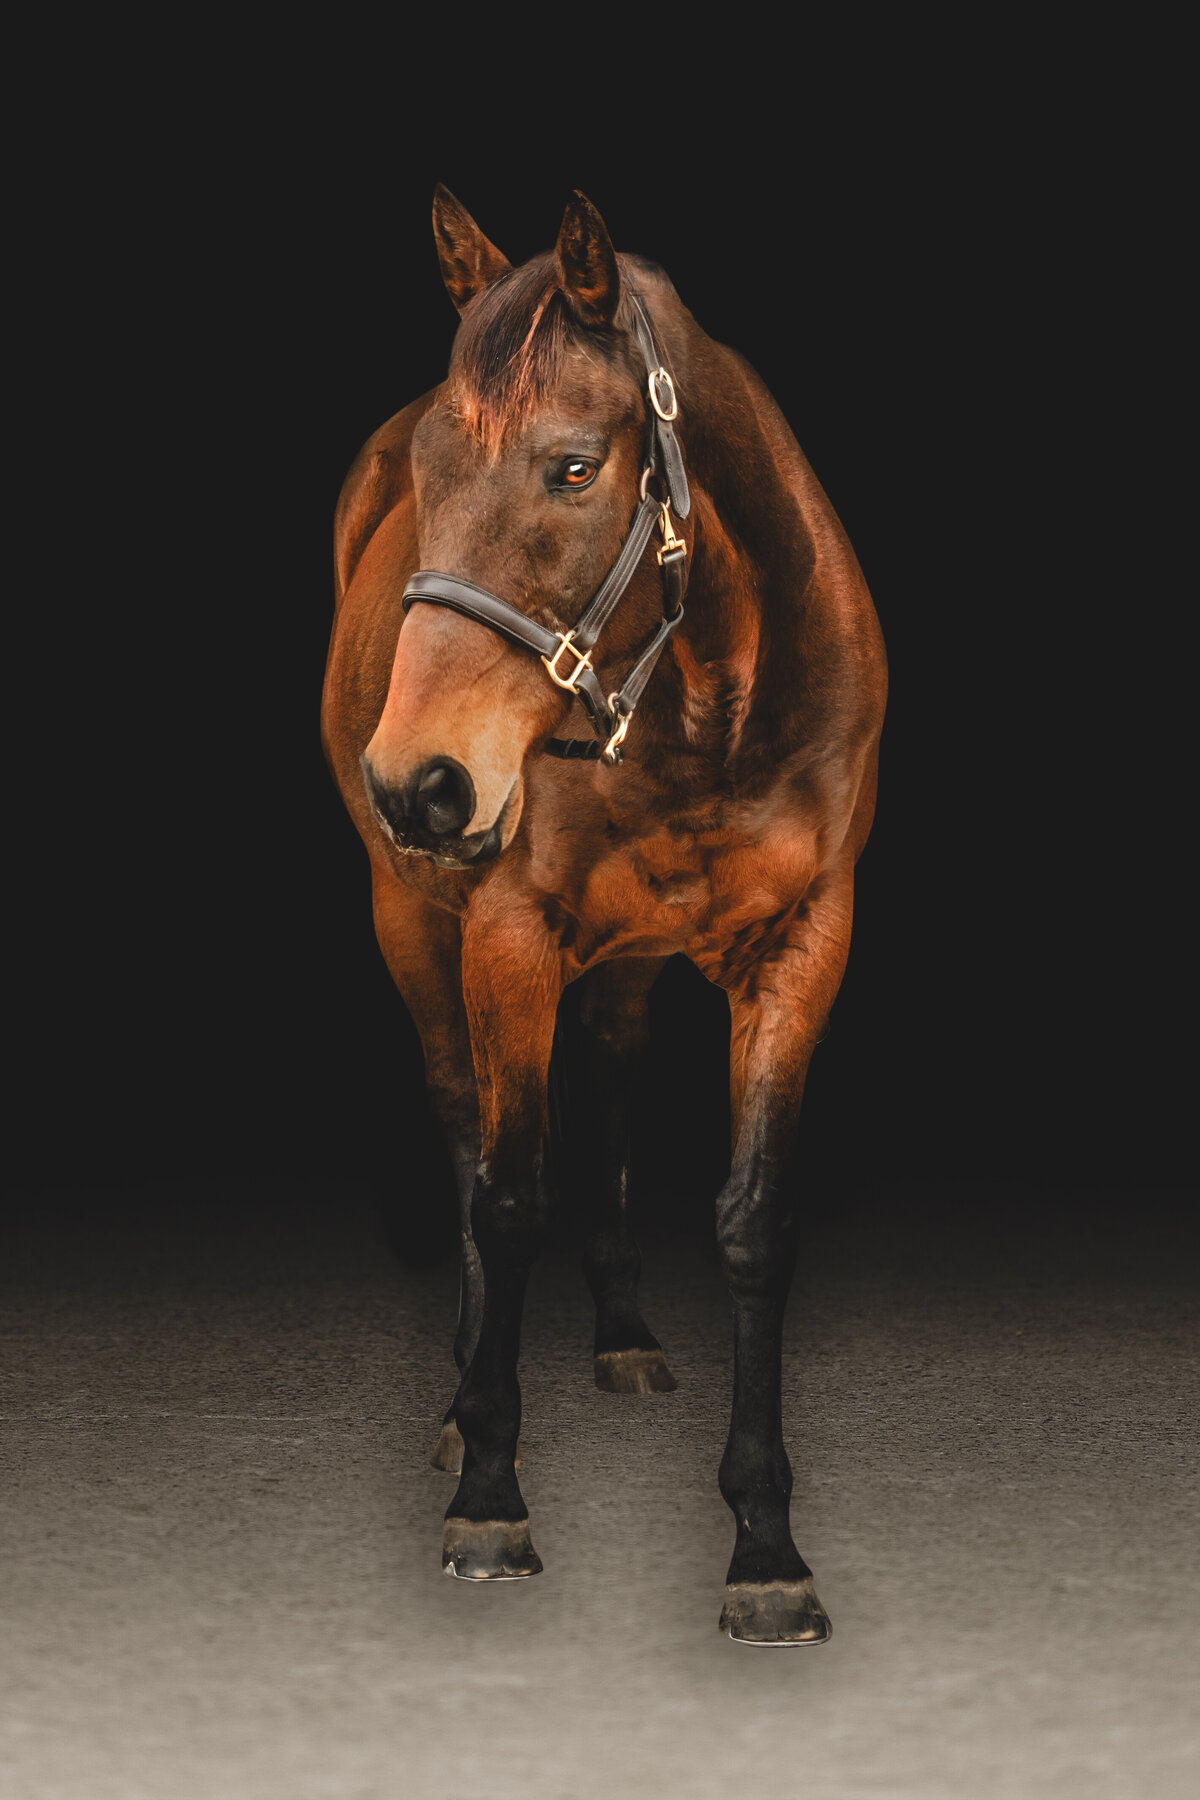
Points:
(426, 814)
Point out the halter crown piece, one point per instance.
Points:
(609, 717)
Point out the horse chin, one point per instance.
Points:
(468, 855)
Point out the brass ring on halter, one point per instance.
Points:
(647, 472)
(660, 378)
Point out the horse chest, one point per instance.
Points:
(723, 898)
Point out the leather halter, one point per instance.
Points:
(609, 717)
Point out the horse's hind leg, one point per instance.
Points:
(604, 1059)
(777, 1020)
(422, 947)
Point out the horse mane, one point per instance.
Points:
(510, 348)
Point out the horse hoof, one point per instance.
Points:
(774, 1612)
(449, 1452)
(634, 1372)
(489, 1550)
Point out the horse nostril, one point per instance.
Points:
(445, 797)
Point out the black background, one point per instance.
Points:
(234, 291)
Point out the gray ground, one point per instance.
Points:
(221, 1571)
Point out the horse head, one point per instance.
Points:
(527, 467)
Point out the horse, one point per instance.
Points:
(601, 505)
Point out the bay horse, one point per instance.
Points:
(601, 504)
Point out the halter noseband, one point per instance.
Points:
(609, 717)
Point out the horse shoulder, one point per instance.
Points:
(362, 644)
(379, 477)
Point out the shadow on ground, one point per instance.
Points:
(222, 1568)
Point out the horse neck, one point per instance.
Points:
(729, 694)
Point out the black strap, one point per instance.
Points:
(474, 602)
(600, 607)
(464, 596)
(662, 429)
(567, 654)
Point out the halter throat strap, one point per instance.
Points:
(567, 654)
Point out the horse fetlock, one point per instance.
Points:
(488, 1458)
(619, 1321)
(488, 1487)
(450, 1450)
(765, 1551)
(756, 1491)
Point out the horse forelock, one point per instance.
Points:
(511, 348)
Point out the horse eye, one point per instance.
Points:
(577, 473)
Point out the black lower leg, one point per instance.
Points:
(628, 1356)
(607, 1054)
(769, 1595)
(775, 1021)
(508, 1218)
(612, 1263)
(464, 1154)
(755, 1475)
(758, 1249)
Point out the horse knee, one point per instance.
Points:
(756, 1237)
(508, 1217)
(455, 1104)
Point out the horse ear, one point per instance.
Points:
(469, 262)
(586, 263)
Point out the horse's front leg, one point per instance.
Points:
(777, 1018)
(614, 1029)
(422, 947)
(511, 983)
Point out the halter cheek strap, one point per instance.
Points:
(567, 655)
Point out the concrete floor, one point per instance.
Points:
(221, 1536)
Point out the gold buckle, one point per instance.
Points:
(581, 663)
(672, 547)
(660, 374)
(618, 736)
